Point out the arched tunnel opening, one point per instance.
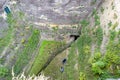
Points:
(75, 37)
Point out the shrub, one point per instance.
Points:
(97, 19)
(99, 36)
(87, 49)
(97, 67)
(84, 23)
(82, 76)
(115, 25)
(93, 2)
(112, 35)
(3, 71)
(115, 16)
(110, 24)
(102, 10)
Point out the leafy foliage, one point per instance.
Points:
(112, 35)
(97, 19)
(110, 24)
(84, 23)
(99, 36)
(102, 10)
(82, 76)
(114, 25)
(97, 67)
(3, 71)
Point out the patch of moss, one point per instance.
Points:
(98, 36)
(115, 16)
(84, 23)
(114, 25)
(82, 76)
(102, 10)
(94, 12)
(46, 50)
(112, 35)
(93, 2)
(109, 24)
(71, 72)
(97, 20)
(3, 72)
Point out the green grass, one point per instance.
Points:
(99, 36)
(6, 39)
(94, 12)
(112, 35)
(70, 71)
(84, 23)
(46, 50)
(84, 48)
(3, 72)
(25, 55)
(97, 19)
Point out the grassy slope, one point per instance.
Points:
(53, 69)
(8, 34)
(70, 71)
(47, 47)
(6, 39)
(25, 55)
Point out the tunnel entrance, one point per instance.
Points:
(74, 37)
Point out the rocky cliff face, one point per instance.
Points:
(32, 38)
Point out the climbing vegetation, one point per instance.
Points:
(99, 35)
(29, 48)
(107, 65)
(6, 39)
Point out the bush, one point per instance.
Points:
(97, 67)
(99, 36)
(3, 71)
(84, 23)
(82, 76)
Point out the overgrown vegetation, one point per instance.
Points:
(109, 24)
(114, 25)
(108, 65)
(46, 50)
(102, 10)
(93, 2)
(99, 36)
(70, 71)
(3, 71)
(25, 55)
(115, 16)
(5, 40)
